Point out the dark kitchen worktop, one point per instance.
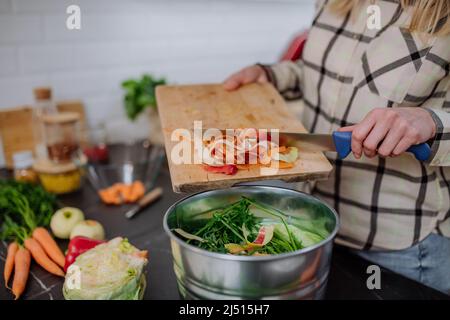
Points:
(347, 278)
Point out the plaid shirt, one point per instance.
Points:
(347, 70)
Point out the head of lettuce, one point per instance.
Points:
(110, 271)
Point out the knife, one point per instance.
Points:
(144, 202)
(341, 142)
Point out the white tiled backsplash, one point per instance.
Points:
(186, 41)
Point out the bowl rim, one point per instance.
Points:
(231, 257)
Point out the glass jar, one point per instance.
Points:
(23, 171)
(43, 105)
(97, 148)
(60, 178)
(61, 135)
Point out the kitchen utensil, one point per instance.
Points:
(341, 142)
(144, 202)
(203, 274)
(137, 161)
(251, 106)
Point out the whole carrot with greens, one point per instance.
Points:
(22, 262)
(49, 245)
(9, 262)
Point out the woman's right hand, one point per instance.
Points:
(247, 75)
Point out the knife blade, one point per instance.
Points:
(341, 142)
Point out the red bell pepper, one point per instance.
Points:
(77, 246)
(229, 169)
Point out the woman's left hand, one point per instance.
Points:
(391, 131)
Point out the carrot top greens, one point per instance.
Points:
(23, 207)
(236, 229)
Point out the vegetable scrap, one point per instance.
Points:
(251, 228)
(120, 193)
(249, 147)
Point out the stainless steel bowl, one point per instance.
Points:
(207, 275)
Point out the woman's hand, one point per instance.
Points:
(391, 131)
(247, 75)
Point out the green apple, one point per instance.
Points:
(64, 220)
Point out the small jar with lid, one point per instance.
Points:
(23, 170)
(61, 133)
(60, 178)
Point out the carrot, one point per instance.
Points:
(22, 262)
(285, 165)
(41, 257)
(119, 193)
(9, 262)
(280, 165)
(105, 195)
(109, 196)
(137, 190)
(127, 193)
(49, 245)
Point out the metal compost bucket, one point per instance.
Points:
(202, 274)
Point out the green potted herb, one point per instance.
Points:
(140, 96)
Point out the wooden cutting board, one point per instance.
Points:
(252, 106)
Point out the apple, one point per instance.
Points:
(90, 229)
(64, 220)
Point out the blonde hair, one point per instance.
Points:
(428, 16)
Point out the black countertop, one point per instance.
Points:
(347, 276)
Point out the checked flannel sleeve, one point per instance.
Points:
(412, 71)
(440, 144)
(287, 77)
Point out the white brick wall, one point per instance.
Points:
(186, 41)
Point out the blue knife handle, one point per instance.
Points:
(343, 144)
(421, 151)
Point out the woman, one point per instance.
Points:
(390, 88)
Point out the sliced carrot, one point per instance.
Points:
(137, 191)
(280, 164)
(128, 193)
(49, 245)
(138, 188)
(22, 262)
(9, 262)
(41, 257)
(117, 188)
(285, 165)
(110, 196)
(120, 192)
